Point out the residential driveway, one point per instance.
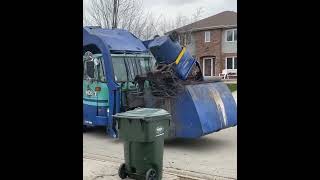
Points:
(211, 157)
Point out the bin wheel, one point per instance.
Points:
(122, 171)
(151, 174)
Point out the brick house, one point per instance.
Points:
(213, 42)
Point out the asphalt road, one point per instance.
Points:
(211, 157)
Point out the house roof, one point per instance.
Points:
(226, 19)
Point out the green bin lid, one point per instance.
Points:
(142, 113)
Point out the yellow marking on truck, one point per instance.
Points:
(180, 55)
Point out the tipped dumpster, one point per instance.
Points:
(143, 131)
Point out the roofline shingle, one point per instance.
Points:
(229, 18)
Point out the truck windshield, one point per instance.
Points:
(127, 67)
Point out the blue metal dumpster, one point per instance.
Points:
(167, 51)
(203, 109)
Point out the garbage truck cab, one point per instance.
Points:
(96, 93)
(111, 60)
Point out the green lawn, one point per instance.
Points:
(232, 87)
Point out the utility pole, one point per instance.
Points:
(115, 14)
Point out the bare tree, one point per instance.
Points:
(167, 24)
(86, 21)
(197, 15)
(100, 13)
(130, 16)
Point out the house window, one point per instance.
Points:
(231, 35)
(207, 35)
(208, 67)
(231, 63)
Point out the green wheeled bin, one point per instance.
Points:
(143, 131)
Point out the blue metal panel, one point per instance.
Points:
(116, 39)
(210, 108)
(164, 49)
(185, 117)
(185, 65)
(90, 118)
(103, 110)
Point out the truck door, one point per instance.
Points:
(95, 91)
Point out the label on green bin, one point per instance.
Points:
(159, 131)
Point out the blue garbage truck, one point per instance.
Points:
(122, 72)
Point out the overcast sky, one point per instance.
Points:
(172, 8)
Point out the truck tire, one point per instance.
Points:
(151, 174)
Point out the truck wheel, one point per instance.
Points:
(122, 171)
(151, 174)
